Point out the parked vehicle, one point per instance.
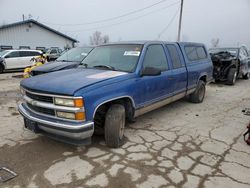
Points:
(68, 60)
(118, 82)
(17, 59)
(230, 64)
(53, 53)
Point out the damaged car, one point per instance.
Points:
(230, 64)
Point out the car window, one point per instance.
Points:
(155, 57)
(34, 53)
(174, 55)
(13, 54)
(53, 51)
(24, 53)
(75, 54)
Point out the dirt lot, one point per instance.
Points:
(180, 145)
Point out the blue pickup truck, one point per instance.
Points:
(116, 83)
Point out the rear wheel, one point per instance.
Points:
(198, 95)
(115, 125)
(246, 76)
(232, 76)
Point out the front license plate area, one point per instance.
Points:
(31, 125)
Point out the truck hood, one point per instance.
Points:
(55, 66)
(67, 82)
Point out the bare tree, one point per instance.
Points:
(105, 39)
(215, 42)
(97, 39)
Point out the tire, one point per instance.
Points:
(1, 68)
(231, 76)
(114, 126)
(198, 95)
(246, 76)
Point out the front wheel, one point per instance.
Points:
(115, 125)
(232, 76)
(198, 95)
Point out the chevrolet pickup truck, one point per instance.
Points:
(116, 83)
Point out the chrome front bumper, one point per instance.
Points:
(62, 128)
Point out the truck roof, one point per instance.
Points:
(142, 42)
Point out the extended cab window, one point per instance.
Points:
(195, 53)
(155, 57)
(201, 53)
(191, 53)
(174, 56)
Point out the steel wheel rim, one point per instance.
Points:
(121, 131)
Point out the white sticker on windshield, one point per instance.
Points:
(131, 53)
(84, 54)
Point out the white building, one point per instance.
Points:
(34, 35)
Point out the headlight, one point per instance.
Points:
(69, 102)
(70, 115)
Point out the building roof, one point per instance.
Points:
(39, 24)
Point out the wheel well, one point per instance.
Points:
(204, 78)
(1, 65)
(99, 116)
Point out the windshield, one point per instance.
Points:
(3, 53)
(116, 57)
(232, 51)
(74, 54)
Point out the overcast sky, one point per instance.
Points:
(203, 20)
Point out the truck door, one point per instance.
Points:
(179, 71)
(154, 88)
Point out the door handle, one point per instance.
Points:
(170, 78)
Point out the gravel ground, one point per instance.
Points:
(179, 145)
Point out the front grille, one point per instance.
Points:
(39, 97)
(41, 110)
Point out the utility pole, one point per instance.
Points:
(180, 20)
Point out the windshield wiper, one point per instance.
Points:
(64, 60)
(104, 67)
(84, 64)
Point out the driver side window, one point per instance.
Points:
(155, 57)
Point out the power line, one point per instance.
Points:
(170, 22)
(109, 19)
(129, 20)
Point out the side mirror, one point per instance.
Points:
(7, 56)
(150, 71)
